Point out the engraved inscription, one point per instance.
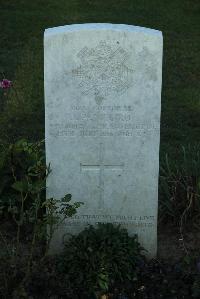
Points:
(148, 218)
(136, 222)
(103, 71)
(101, 166)
(102, 121)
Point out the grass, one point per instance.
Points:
(22, 25)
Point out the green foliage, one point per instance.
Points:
(23, 175)
(22, 199)
(180, 187)
(57, 211)
(196, 287)
(16, 267)
(99, 257)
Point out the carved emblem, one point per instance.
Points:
(103, 71)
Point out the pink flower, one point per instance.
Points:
(5, 84)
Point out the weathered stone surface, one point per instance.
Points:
(102, 102)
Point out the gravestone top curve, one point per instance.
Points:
(102, 26)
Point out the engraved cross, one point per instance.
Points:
(101, 166)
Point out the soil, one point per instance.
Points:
(173, 246)
(164, 277)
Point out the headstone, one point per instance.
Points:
(102, 103)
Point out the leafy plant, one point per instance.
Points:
(17, 267)
(22, 194)
(57, 211)
(23, 173)
(100, 257)
(196, 287)
(180, 188)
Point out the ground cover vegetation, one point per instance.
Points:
(25, 270)
(179, 188)
(102, 262)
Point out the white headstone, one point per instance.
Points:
(102, 103)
